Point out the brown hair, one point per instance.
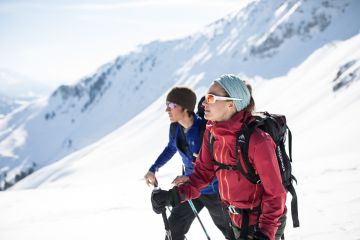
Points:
(182, 96)
(251, 106)
(189, 113)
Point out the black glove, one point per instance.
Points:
(259, 235)
(161, 198)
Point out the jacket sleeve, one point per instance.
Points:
(274, 196)
(202, 175)
(166, 154)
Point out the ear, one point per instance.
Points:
(231, 105)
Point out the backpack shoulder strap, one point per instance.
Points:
(290, 143)
(211, 145)
(242, 145)
(201, 131)
(180, 140)
(173, 129)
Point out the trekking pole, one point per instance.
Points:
(167, 226)
(166, 221)
(197, 216)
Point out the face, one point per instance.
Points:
(175, 112)
(219, 110)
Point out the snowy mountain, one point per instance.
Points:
(21, 87)
(266, 39)
(7, 105)
(17, 90)
(93, 142)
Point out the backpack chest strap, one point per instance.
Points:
(221, 166)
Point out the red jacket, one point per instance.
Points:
(234, 188)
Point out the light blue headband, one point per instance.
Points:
(235, 88)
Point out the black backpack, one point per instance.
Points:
(276, 127)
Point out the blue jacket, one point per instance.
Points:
(193, 140)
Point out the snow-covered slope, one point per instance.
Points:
(98, 192)
(266, 39)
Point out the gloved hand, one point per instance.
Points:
(161, 198)
(259, 235)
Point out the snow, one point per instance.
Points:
(93, 187)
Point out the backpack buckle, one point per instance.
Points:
(232, 209)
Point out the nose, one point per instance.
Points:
(167, 109)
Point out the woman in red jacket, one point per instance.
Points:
(258, 210)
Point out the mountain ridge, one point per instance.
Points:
(78, 115)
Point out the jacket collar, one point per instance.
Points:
(230, 126)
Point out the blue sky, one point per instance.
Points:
(61, 41)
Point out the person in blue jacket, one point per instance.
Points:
(185, 137)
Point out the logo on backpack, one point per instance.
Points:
(241, 138)
(280, 159)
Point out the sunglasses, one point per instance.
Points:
(211, 98)
(171, 105)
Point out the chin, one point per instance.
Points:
(207, 116)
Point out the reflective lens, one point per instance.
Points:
(209, 98)
(170, 105)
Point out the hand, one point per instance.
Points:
(180, 180)
(150, 179)
(259, 235)
(161, 198)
